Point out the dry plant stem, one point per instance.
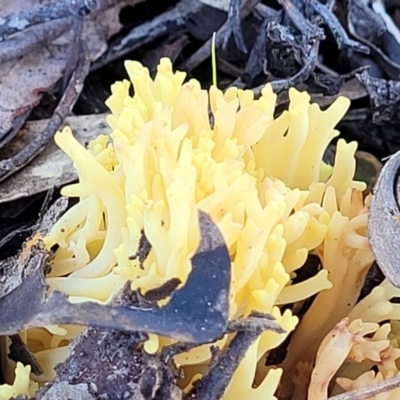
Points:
(263, 12)
(71, 94)
(384, 226)
(326, 70)
(350, 89)
(370, 391)
(38, 36)
(204, 51)
(47, 12)
(213, 385)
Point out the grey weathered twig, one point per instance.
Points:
(5, 137)
(213, 385)
(370, 391)
(75, 50)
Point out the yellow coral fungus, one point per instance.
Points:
(262, 180)
(22, 384)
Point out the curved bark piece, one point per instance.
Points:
(384, 220)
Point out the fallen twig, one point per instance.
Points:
(19, 351)
(213, 385)
(75, 50)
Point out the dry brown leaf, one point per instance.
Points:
(23, 80)
(52, 168)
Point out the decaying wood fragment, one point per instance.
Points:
(384, 220)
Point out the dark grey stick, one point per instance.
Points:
(213, 385)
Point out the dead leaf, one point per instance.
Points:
(23, 80)
(52, 168)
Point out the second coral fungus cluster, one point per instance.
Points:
(175, 149)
